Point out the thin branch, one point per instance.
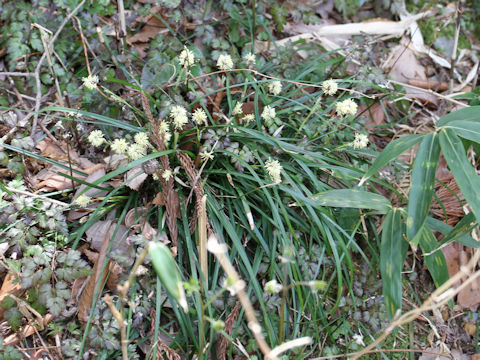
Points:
(38, 98)
(26, 193)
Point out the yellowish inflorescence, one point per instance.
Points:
(329, 87)
(186, 58)
(360, 141)
(274, 170)
(275, 87)
(96, 138)
(179, 116)
(346, 108)
(225, 62)
(90, 82)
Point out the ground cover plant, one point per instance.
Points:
(177, 183)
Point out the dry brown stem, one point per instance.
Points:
(170, 196)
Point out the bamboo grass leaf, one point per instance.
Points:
(466, 129)
(436, 263)
(350, 198)
(422, 185)
(392, 151)
(471, 113)
(393, 249)
(464, 173)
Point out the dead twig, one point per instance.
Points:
(38, 83)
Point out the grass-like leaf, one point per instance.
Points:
(393, 249)
(349, 198)
(464, 173)
(392, 151)
(423, 181)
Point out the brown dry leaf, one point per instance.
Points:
(159, 200)
(150, 30)
(49, 149)
(114, 277)
(25, 332)
(452, 257)
(135, 177)
(53, 181)
(403, 66)
(78, 213)
(376, 115)
(469, 297)
(132, 216)
(456, 256)
(476, 356)
(222, 344)
(96, 233)
(9, 287)
(77, 288)
(440, 355)
(131, 222)
(98, 277)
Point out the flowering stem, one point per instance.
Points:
(314, 108)
(175, 140)
(282, 306)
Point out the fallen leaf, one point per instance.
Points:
(441, 355)
(9, 287)
(25, 332)
(135, 177)
(97, 232)
(76, 214)
(53, 181)
(99, 277)
(469, 297)
(404, 65)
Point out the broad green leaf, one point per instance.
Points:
(464, 173)
(392, 151)
(393, 250)
(471, 113)
(466, 129)
(435, 262)
(350, 198)
(422, 183)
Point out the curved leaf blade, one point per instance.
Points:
(466, 129)
(471, 113)
(393, 250)
(350, 198)
(463, 172)
(436, 263)
(422, 185)
(392, 151)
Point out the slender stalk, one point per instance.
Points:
(282, 306)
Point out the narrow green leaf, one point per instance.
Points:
(391, 151)
(464, 173)
(466, 129)
(105, 120)
(350, 198)
(471, 113)
(436, 263)
(393, 250)
(459, 233)
(422, 185)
